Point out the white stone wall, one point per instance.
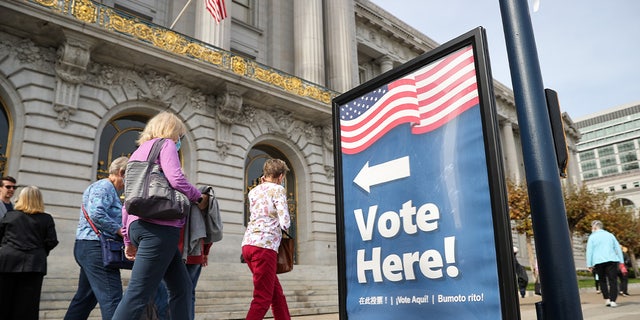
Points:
(61, 155)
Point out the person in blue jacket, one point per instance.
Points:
(604, 255)
(98, 284)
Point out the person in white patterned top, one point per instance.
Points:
(269, 215)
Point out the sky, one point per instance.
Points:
(589, 51)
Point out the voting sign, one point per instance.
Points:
(421, 206)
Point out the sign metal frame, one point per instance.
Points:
(506, 287)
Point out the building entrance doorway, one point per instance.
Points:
(253, 171)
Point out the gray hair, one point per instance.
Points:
(597, 224)
(118, 165)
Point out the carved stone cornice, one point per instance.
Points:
(229, 110)
(93, 16)
(570, 128)
(280, 122)
(248, 114)
(73, 57)
(149, 85)
(229, 104)
(327, 150)
(197, 99)
(26, 51)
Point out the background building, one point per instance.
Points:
(79, 79)
(609, 151)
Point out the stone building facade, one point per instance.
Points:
(79, 79)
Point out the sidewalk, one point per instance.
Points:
(593, 307)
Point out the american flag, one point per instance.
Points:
(217, 9)
(426, 99)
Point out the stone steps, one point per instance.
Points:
(224, 291)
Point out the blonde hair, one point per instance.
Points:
(164, 125)
(274, 168)
(30, 200)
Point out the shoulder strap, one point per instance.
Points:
(155, 150)
(86, 216)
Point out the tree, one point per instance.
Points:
(520, 214)
(622, 223)
(581, 203)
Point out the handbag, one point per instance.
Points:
(537, 288)
(285, 254)
(148, 194)
(112, 249)
(623, 268)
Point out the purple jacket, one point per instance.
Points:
(170, 164)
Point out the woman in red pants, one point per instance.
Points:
(269, 215)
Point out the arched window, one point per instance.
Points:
(118, 139)
(4, 138)
(253, 171)
(624, 203)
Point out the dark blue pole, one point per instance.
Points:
(561, 299)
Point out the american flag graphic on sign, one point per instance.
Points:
(425, 99)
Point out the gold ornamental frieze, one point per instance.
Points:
(239, 65)
(85, 11)
(290, 84)
(202, 53)
(169, 41)
(55, 5)
(277, 79)
(293, 85)
(105, 17)
(261, 74)
(47, 3)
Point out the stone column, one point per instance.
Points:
(308, 40)
(510, 154)
(341, 46)
(573, 171)
(210, 31)
(386, 64)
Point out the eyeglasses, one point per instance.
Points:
(11, 187)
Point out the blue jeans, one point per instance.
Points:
(96, 284)
(161, 294)
(157, 258)
(194, 273)
(162, 302)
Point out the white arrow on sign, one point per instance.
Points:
(381, 173)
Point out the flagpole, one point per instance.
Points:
(180, 14)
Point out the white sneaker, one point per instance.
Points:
(607, 302)
(613, 304)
